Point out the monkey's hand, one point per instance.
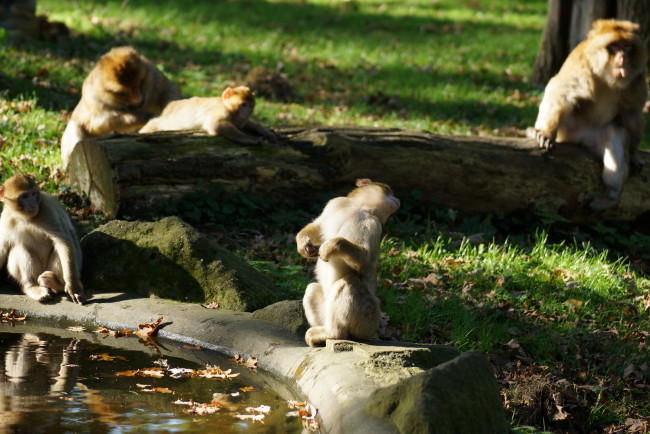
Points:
(270, 136)
(307, 249)
(542, 140)
(636, 166)
(76, 293)
(328, 248)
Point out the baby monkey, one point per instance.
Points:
(228, 116)
(345, 238)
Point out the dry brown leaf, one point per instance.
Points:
(211, 305)
(157, 390)
(146, 330)
(104, 357)
(247, 389)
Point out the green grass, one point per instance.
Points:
(548, 301)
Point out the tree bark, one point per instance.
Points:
(554, 46)
(140, 175)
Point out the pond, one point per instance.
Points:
(63, 379)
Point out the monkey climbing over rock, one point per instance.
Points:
(345, 238)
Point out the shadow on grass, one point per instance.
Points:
(303, 25)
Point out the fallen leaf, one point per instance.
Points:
(76, 328)
(253, 417)
(247, 389)
(212, 305)
(157, 390)
(104, 357)
(260, 409)
(193, 347)
(146, 330)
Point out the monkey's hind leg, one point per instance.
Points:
(24, 269)
(615, 169)
(50, 280)
(318, 313)
(314, 303)
(356, 313)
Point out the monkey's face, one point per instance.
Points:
(27, 202)
(124, 78)
(244, 111)
(622, 63)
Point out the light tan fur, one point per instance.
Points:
(343, 304)
(38, 243)
(121, 94)
(228, 116)
(596, 99)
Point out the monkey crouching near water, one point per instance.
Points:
(596, 99)
(38, 243)
(345, 238)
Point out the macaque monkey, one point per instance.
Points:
(121, 94)
(596, 99)
(38, 243)
(227, 116)
(345, 238)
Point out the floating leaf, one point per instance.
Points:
(253, 417)
(104, 357)
(260, 409)
(76, 328)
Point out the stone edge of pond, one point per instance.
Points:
(332, 380)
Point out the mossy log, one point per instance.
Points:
(137, 175)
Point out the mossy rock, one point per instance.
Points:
(287, 313)
(170, 259)
(458, 396)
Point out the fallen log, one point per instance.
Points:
(140, 175)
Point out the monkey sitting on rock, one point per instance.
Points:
(345, 238)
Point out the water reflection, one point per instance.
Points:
(50, 383)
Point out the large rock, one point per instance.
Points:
(170, 259)
(458, 396)
(287, 313)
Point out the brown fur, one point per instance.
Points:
(38, 243)
(596, 99)
(228, 116)
(343, 304)
(121, 94)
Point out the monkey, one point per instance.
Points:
(596, 99)
(38, 243)
(345, 238)
(228, 116)
(121, 93)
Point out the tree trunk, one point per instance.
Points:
(554, 46)
(140, 175)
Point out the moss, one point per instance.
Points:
(170, 259)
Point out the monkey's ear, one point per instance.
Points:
(364, 181)
(2, 193)
(227, 93)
